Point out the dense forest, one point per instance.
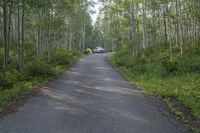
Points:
(156, 44)
(140, 24)
(38, 39)
(158, 47)
(35, 27)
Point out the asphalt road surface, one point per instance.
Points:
(91, 97)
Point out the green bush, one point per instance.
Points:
(38, 67)
(61, 57)
(76, 54)
(13, 60)
(189, 64)
(8, 96)
(193, 50)
(8, 79)
(170, 66)
(123, 58)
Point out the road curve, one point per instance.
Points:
(91, 97)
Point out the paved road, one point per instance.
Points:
(91, 97)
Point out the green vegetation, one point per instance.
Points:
(39, 39)
(154, 73)
(157, 43)
(15, 85)
(157, 47)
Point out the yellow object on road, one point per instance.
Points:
(88, 51)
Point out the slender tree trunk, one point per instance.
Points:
(70, 34)
(170, 40)
(144, 25)
(165, 23)
(9, 25)
(19, 38)
(181, 28)
(133, 29)
(1, 32)
(23, 34)
(177, 24)
(5, 38)
(83, 33)
(39, 47)
(154, 28)
(49, 34)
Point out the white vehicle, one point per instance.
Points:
(98, 50)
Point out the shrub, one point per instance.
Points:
(8, 79)
(38, 67)
(156, 60)
(170, 66)
(189, 64)
(76, 54)
(61, 57)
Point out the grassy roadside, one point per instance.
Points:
(27, 85)
(180, 92)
